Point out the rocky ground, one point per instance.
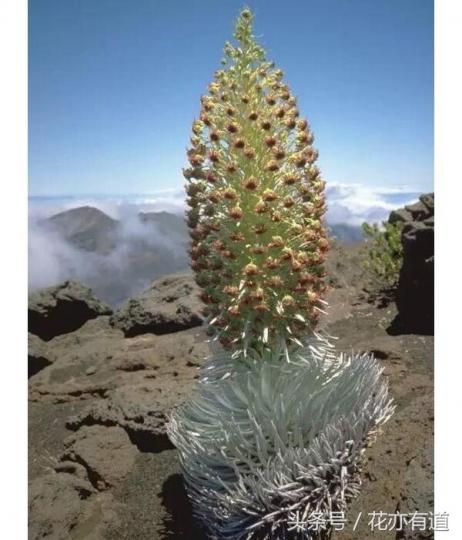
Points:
(100, 464)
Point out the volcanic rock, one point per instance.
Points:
(402, 215)
(105, 452)
(37, 355)
(56, 502)
(169, 305)
(415, 293)
(419, 211)
(62, 309)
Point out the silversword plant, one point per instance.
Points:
(278, 422)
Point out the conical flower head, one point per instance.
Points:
(256, 202)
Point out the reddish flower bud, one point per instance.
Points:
(288, 202)
(290, 179)
(230, 194)
(306, 278)
(280, 112)
(258, 294)
(218, 245)
(196, 160)
(312, 296)
(275, 281)
(251, 183)
(269, 195)
(232, 127)
(279, 153)
(236, 212)
(300, 161)
(272, 166)
(214, 157)
(231, 290)
(271, 263)
(237, 237)
(260, 228)
(251, 269)
(260, 207)
(276, 242)
(323, 244)
(258, 249)
(287, 254)
(261, 308)
(296, 266)
(214, 196)
(288, 301)
(234, 311)
(211, 177)
(206, 119)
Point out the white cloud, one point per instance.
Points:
(350, 203)
(355, 203)
(128, 266)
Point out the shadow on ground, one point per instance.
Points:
(399, 327)
(179, 523)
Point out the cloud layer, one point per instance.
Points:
(354, 204)
(143, 251)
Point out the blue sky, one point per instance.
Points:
(115, 84)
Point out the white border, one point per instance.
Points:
(13, 226)
(13, 216)
(448, 359)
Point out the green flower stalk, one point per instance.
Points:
(256, 201)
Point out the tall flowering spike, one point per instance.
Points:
(256, 202)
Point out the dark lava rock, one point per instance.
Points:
(62, 309)
(415, 294)
(169, 305)
(37, 355)
(419, 211)
(429, 201)
(401, 215)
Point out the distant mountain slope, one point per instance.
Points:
(167, 223)
(345, 233)
(119, 258)
(86, 228)
(116, 258)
